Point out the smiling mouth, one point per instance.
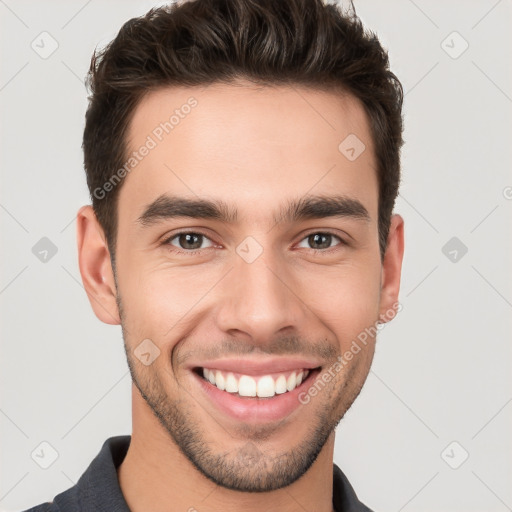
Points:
(251, 386)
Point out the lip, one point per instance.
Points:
(254, 409)
(258, 367)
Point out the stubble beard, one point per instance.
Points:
(244, 466)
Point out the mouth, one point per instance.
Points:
(255, 397)
(264, 386)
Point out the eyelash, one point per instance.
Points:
(194, 252)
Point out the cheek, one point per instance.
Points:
(345, 299)
(160, 301)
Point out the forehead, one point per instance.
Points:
(248, 145)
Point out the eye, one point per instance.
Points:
(191, 242)
(188, 242)
(322, 240)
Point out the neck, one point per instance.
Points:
(156, 476)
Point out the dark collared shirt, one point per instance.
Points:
(98, 489)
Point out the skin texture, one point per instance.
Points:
(255, 149)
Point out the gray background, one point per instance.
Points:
(440, 385)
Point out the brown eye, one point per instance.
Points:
(321, 241)
(188, 241)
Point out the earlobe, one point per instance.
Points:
(95, 267)
(392, 270)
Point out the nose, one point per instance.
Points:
(260, 300)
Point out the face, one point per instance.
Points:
(247, 264)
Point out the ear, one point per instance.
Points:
(95, 267)
(392, 270)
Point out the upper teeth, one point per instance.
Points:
(245, 385)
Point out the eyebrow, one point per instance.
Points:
(306, 208)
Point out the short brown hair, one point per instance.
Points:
(273, 42)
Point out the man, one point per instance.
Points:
(243, 163)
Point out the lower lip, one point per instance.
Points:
(255, 409)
